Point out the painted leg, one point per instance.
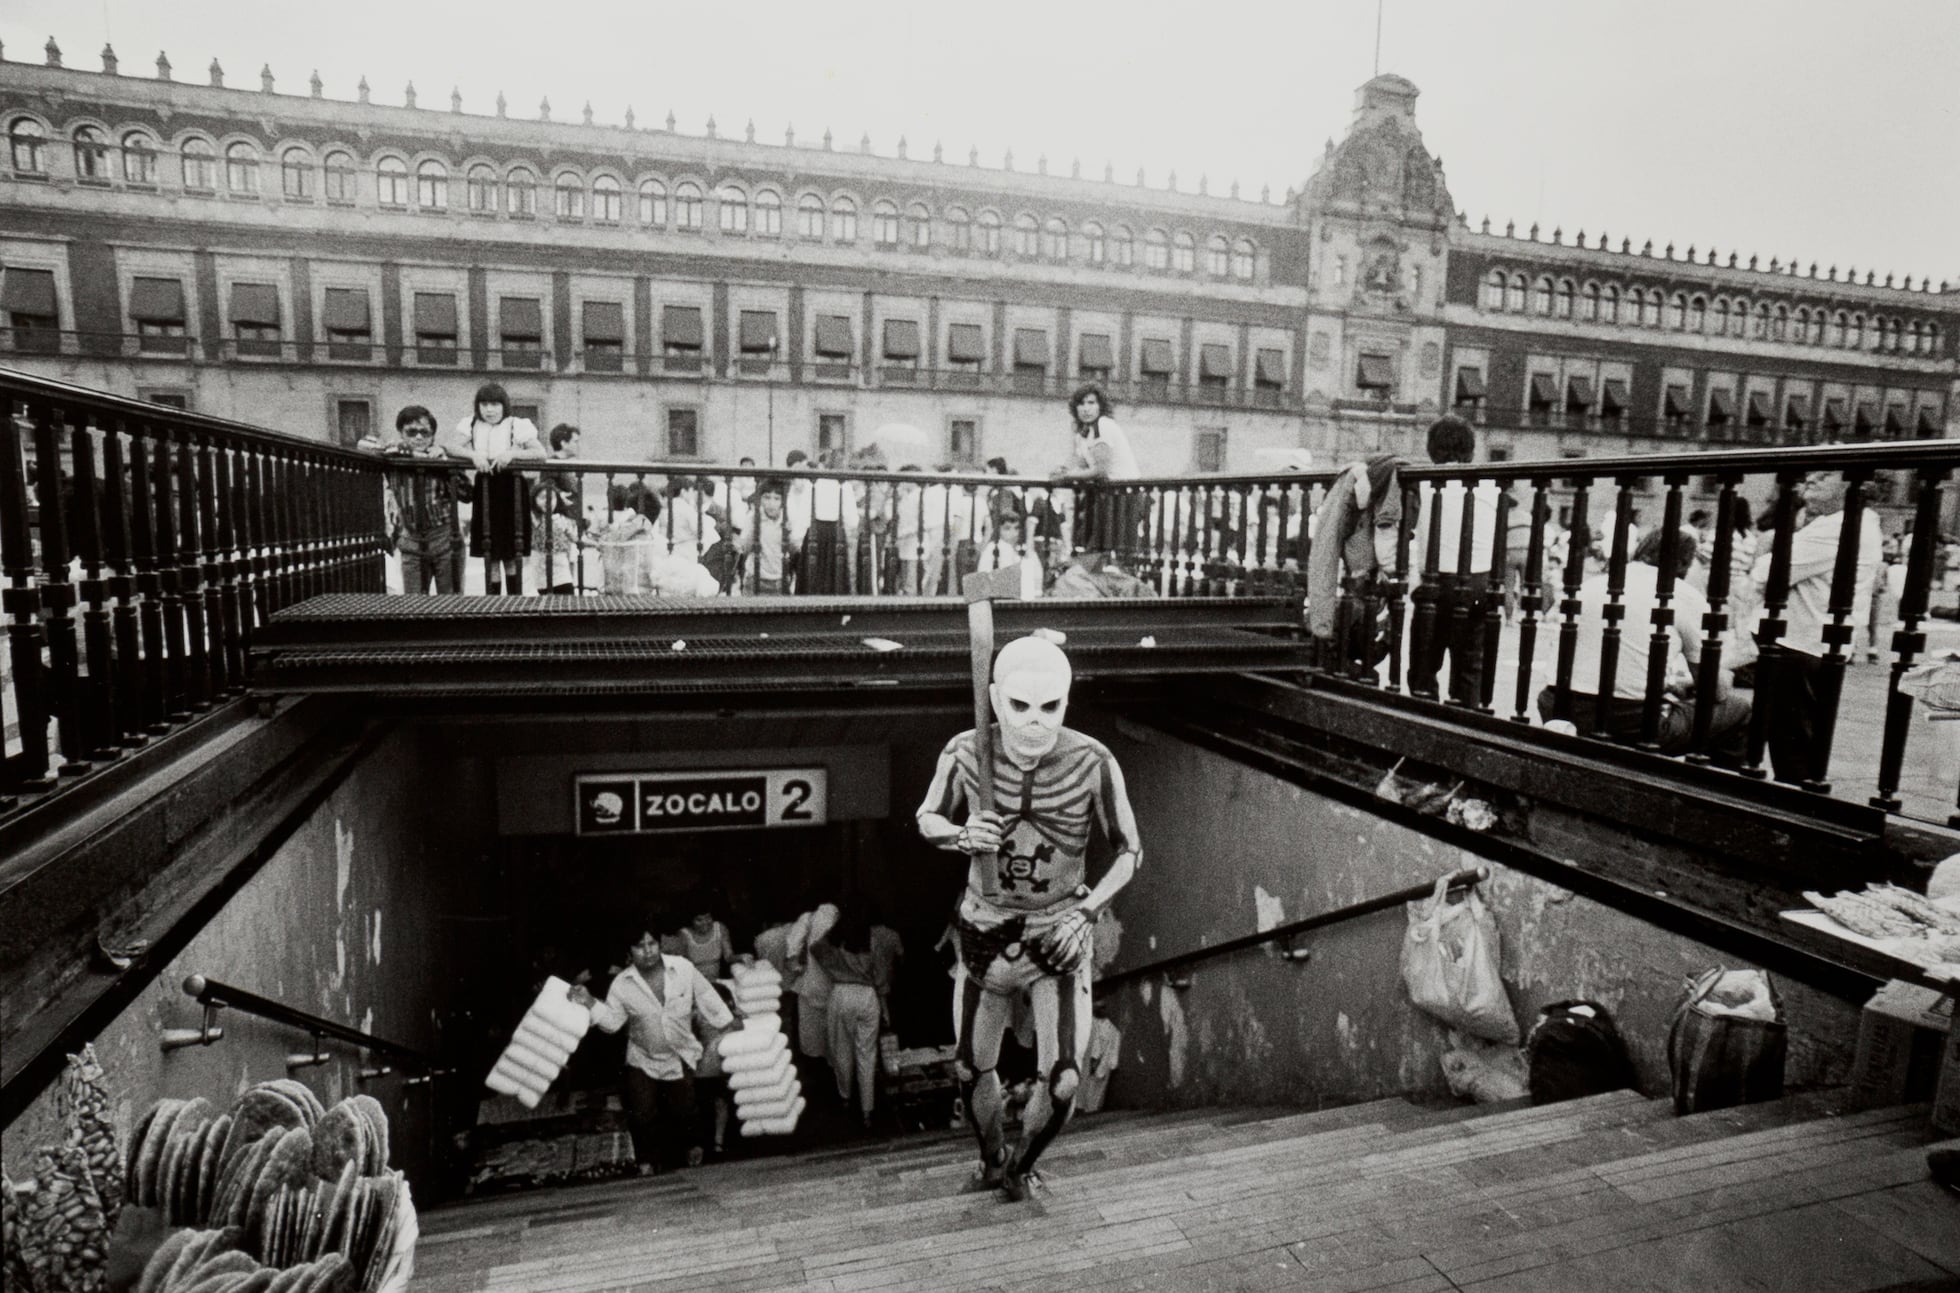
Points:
(1062, 1021)
(982, 1019)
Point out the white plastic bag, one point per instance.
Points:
(1450, 965)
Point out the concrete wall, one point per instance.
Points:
(360, 917)
(1229, 850)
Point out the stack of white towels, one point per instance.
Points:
(543, 1044)
(768, 1093)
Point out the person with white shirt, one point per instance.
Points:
(1791, 691)
(658, 999)
(1459, 638)
(496, 442)
(1625, 709)
(1101, 451)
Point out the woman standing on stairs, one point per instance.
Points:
(860, 1004)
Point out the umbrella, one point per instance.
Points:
(900, 435)
(1285, 458)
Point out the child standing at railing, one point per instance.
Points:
(500, 520)
(552, 566)
(422, 520)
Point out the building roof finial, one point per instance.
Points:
(217, 74)
(53, 51)
(503, 105)
(1007, 160)
(901, 148)
(316, 85)
(864, 144)
(456, 98)
(938, 151)
(1235, 188)
(631, 120)
(585, 113)
(748, 132)
(163, 66)
(109, 60)
(265, 79)
(408, 95)
(1204, 184)
(711, 125)
(544, 108)
(828, 141)
(362, 91)
(670, 121)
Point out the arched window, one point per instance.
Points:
(1184, 253)
(918, 221)
(91, 156)
(1095, 243)
(653, 204)
(605, 200)
(809, 216)
(1840, 329)
(480, 189)
(769, 213)
(296, 175)
(1218, 256)
(1122, 247)
(1739, 320)
(242, 169)
(1562, 307)
(734, 202)
(200, 165)
(687, 206)
(1698, 314)
(340, 177)
(1514, 295)
(1855, 338)
(1800, 325)
(1918, 338)
(1494, 290)
(391, 182)
(843, 220)
(989, 224)
(1589, 304)
(30, 146)
(432, 186)
(1721, 316)
(1541, 296)
(1779, 324)
(521, 193)
(1027, 236)
(884, 223)
(1609, 304)
(1677, 312)
(139, 158)
(1650, 317)
(959, 228)
(1244, 259)
(1760, 331)
(1054, 239)
(1156, 250)
(568, 197)
(1932, 338)
(1817, 328)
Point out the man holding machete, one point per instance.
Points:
(1024, 923)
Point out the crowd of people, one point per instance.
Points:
(538, 528)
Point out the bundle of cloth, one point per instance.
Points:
(768, 1093)
(542, 1045)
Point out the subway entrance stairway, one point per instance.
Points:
(1610, 1192)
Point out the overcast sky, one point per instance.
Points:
(1824, 130)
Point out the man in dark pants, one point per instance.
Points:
(1460, 638)
(658, 999)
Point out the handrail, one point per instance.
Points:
(1463, 879)
(210, 993)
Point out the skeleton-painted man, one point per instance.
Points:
(1033, 934)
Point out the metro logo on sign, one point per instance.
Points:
(649, 802)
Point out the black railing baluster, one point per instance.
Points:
(57, 591)
(1837, 634)
(1770, 628)
(98, 693)
(1493, 599)
(117, 504)
(1424, 657)
(1579, 546)
(1398, 579)
(1660, 645)
(1715, 623)
(26, 636)
(230, 626)
(1613, 609)
(1465, 612)
(211, 572)
(190, 575)
(159, 676)
(1908, 640)
(1531, 599)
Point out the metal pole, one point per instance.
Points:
(770, 457)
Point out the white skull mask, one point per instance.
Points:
(1030, 697)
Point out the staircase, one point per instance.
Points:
(1607, 1193)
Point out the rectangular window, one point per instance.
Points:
(1214, 366)
(833, 339)
(1499, 453)
(1095, 358)
(255, 319)
(157, 307)
(1758, 405)
(1208, 449)
(27, 297)
(353, 421)
(759, 341)
(1155, 365)
(602, 330)
(1796, 414)
(1470, 389)
(347, 323)
(532, 413)
(681, 338)
(520, 331)
(966, 353)
(963, 441)
(1373, 375)
(1268, 377)
(435, 328)
(1541, 398)
(833, 432)
(1674, 406)
(901, 351)
(1834, 417)
(1030, 360)
(683, 433)
(1895, 420)
(1578, 396)
(1721, 408)
(1613, 399)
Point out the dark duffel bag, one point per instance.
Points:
(1574, 1050)
(1720, 1059)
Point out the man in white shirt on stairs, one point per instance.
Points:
(657, 999)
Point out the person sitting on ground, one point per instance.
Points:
(1727, 736)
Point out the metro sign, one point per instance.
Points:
(647, 803)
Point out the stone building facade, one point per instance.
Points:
(313, 264)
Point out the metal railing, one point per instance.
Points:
(213, 996)
(1459, 881)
